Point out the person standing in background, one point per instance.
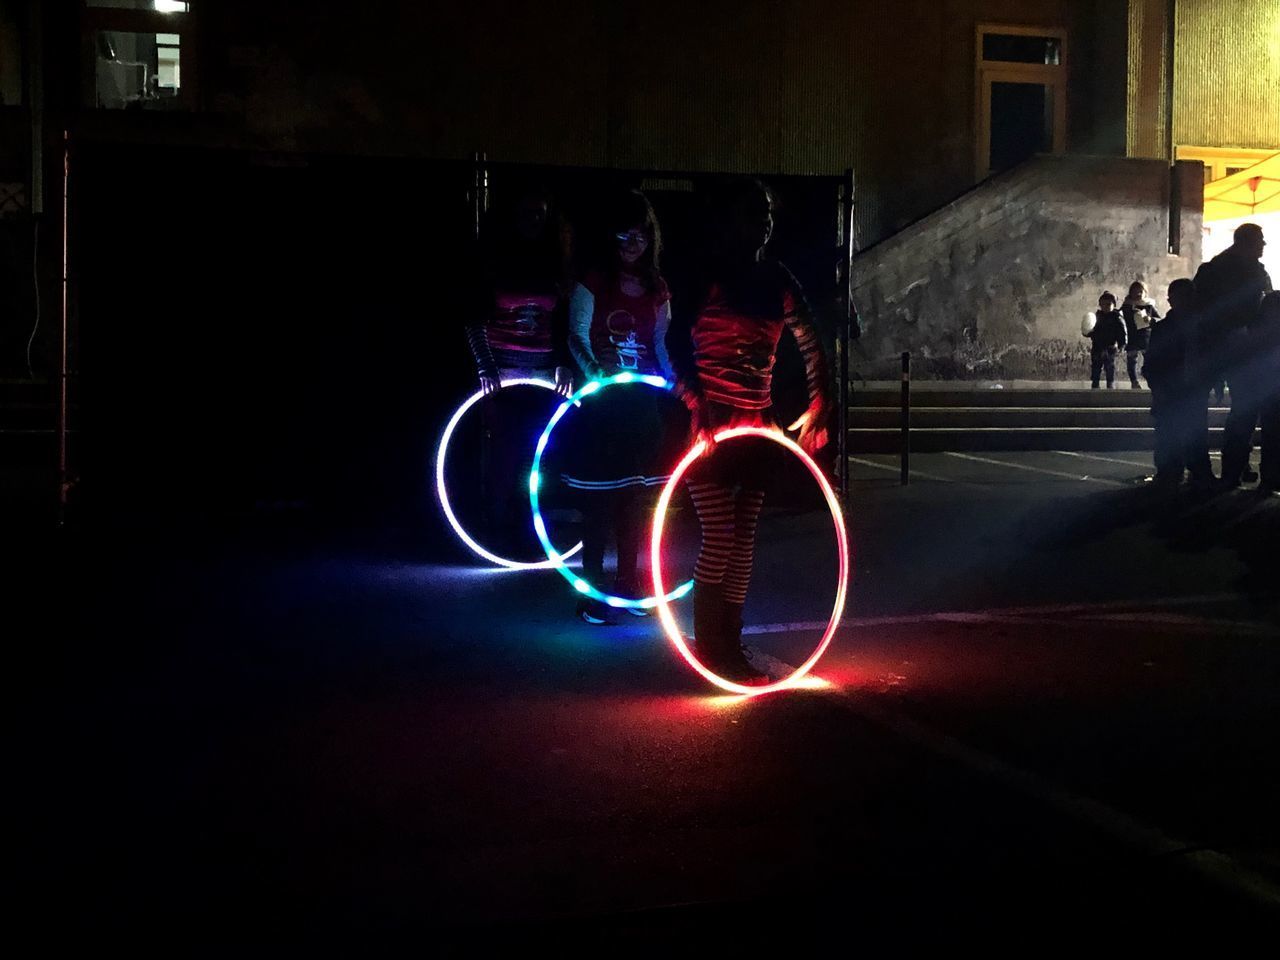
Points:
(1230, 288)
(1258, 383)
(1107, 337)
(1178, 387)
(1139, 314)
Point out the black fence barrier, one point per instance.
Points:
(262, 329)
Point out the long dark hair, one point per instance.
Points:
(721, 265)
(627, 210)
(507, 256)
(723, 202)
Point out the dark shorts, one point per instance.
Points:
(747, 462)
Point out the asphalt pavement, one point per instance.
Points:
(1050, 712)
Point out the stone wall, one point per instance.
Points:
(994, 284)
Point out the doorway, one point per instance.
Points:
(1021, 105)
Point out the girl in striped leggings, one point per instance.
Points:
(725, 373)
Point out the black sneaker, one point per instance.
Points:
(1249, 476)
(736, 667)
(593, 611)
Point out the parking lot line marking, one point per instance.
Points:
(1023, 466)
(892, 469)
(1091, 456)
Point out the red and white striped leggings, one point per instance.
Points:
(728, 516)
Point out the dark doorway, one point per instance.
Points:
(1021, 122)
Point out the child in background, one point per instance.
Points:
(1108, 337)
(1139, 314)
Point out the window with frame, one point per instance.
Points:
(1020, 95)
(1222, 162)
(139, 54)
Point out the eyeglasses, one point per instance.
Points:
(632, 236)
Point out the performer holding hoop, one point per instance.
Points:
(725, 362)
(517, 328)
(621, 450)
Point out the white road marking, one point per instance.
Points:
(1090, 456)
(1023, 466)
(1211, 865)
(898, 470)
(999, 613)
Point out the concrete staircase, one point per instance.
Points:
(1016, 416)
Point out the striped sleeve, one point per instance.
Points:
(799, 320)
(478, 340)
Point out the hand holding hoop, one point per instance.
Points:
(564, 381)
(700, 429)
(812, 427)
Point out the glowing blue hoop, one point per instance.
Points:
(556, 559)
(442, 491)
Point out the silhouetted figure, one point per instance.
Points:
(1178, 385)
(1258, 382)
(1230, 288)
(1108, 337)
(517, 326)
(724, 351)
(1139, 314)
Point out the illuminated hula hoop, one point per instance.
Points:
(556, 559)
(655, 549)
(443, 494)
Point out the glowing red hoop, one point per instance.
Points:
(659, 589)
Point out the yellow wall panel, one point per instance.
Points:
(1227, 73)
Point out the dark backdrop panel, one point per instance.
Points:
(254, 334)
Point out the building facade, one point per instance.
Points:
(922, 99)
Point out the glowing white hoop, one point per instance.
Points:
(669, 624)
(442, 492)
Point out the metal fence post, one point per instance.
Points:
(906, 417)
(64, 344)
(845, 334)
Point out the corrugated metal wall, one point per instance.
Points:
(1227, 73)
(760, 86)
(1147, 80)
(815, 86)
